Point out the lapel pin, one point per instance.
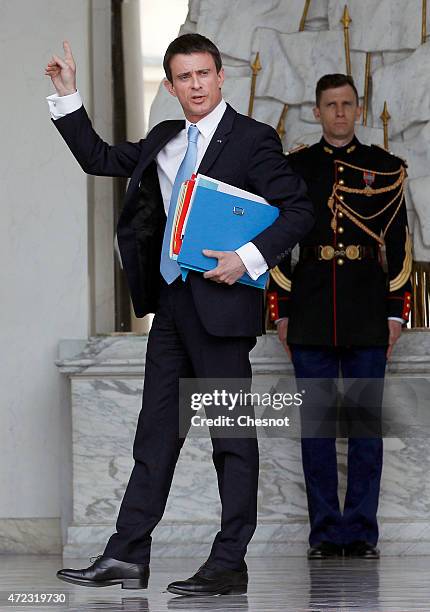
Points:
(219, 141)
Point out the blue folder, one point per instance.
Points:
(222, 222)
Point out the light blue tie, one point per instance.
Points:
(168, 267)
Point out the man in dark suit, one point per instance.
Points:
(204, 327)
(343, 312)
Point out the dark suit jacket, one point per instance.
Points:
(243, 152)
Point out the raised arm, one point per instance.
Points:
(94, 155)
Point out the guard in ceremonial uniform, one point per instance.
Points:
(343, 306)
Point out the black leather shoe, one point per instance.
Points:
(211, 580)
(361, 550)
(107, 572)
(325, 550)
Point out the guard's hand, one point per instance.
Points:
(282, 329)
(229, 269)
(395, 330)
(63, 72)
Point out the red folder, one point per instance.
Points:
(182, 209)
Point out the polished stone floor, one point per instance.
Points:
(290, 584)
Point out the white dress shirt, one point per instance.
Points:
(168, 162)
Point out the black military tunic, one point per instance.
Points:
(355, 265)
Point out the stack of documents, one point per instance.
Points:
(213, 215)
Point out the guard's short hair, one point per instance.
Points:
(187, 44)
(333, 81)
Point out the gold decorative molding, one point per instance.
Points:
(305, 15)
(346, 22)
(280, 128)
(420, 315)
(366, 88)
(256, 67)
(385, 117)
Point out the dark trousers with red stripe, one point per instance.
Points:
(357, 521)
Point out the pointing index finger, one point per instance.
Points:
(67, 50)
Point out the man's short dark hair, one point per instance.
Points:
(190, 43)
(333, 81)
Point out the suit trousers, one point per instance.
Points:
(358, 519)
(180, 347)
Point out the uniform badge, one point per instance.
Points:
(368, 178)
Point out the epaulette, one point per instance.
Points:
(299, 147)
(391, 154)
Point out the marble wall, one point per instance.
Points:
(106, 383)
(47, 285)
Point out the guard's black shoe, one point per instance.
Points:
(211, 580)
(325, 550)
(107, 572)
(361, 550)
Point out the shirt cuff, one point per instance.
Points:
(252, 259)
(60, 106)
(402, 321)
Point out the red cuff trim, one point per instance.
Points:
(407, 302)
(272, 300)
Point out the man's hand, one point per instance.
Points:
(395, 329)
(229, 269)
(63, 72)
(282, 329)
